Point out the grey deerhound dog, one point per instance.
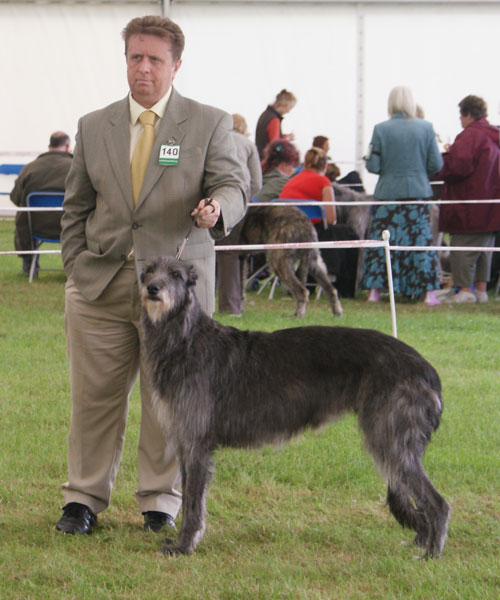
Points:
(218, 386)
(357, 217)
(288, 224)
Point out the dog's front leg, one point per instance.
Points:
(196, 473)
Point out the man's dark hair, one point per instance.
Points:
(474, 106)
(57, 139)
(162, 27)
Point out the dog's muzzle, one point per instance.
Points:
(153, 290)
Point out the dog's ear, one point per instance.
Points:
(192, 276)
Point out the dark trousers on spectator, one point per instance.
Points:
(228, 274)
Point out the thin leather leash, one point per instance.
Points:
(181, 247)
(180, 250)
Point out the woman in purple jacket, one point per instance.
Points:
(471, 171)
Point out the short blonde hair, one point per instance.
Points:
(239, 124)
(401, 100)
(315, 159)
(285, 98)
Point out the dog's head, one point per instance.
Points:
(165, 287)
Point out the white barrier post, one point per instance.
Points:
(386, 236)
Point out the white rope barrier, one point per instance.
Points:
(332, 245)
(447, 248)
(304, 245)
(296, 203)
(30, 252)
(369, 202)
(32, 209)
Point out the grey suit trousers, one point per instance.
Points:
(105, 358)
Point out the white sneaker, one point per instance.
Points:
(481, 297)
(462, 297)
(444, 293)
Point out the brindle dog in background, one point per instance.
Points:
(218, 386)
(284, 225)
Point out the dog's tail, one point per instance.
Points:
(398, 431)
(397, 437)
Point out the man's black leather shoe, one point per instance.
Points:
(155, 521)
(77, 518)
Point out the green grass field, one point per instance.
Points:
(304, 521)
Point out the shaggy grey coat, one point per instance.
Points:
(219, 386)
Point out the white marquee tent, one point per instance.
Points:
(63, 59)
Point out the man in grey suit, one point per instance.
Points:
(111, 226)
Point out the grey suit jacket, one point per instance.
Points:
(100, 223)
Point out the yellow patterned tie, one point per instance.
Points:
(142, 151)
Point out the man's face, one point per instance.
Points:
(151, 68)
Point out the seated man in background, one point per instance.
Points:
(46, 173)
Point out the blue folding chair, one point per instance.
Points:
(10, 169)
(313, 212)
(41, 200)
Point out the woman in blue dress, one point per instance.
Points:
(404, 153)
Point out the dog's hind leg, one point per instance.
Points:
(403, 509)
(283, 267)
(196, 470)
(318, 270)
(303, 270)
(397, 434)
(417, 504)
(406, 514)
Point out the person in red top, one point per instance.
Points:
(471, 171)
(312, 184)
(269, 123)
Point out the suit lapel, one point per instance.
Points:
(117, 141)
(171, 131)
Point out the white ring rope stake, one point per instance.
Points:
(347, 244)
(386, 236)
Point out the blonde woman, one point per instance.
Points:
(312, 183)
(404, 153)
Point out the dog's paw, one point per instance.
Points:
(169, 549)
(421, 540)
(300, 312)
